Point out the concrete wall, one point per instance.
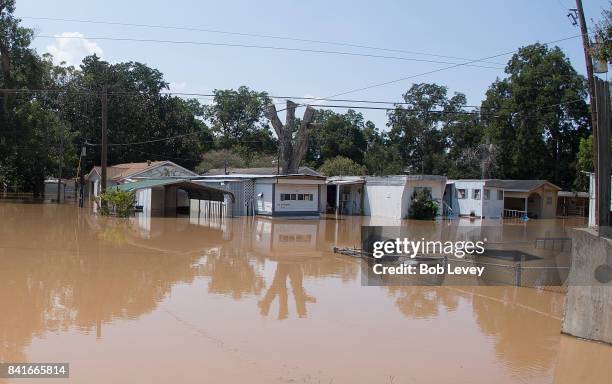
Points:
(588, 309)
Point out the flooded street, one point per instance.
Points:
(256, 300)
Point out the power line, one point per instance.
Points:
(268, 47)
(435, 70)
(208, 96)
(265, 36)
(442, 69)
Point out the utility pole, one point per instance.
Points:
(104, 148)
(586, 45)
(59, 172)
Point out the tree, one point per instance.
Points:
(417, 127)
(29, 127)
(603, 36)
(422, 207)
(340, 135)
(292, 136)
(341, 166)
(138, 112)
(537, 116)
(237, 118)
(584, 163)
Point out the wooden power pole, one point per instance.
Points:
(104, 148)
(586, 45)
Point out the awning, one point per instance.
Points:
(194, 190)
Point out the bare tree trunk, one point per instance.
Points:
(292, 149)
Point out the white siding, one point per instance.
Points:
(296, 205)
(143, 198)
(384, 200)
(466, 206)
(263, 203)
(493, 208)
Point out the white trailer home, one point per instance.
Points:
(261, 191)
(495, 198)
(390, 196)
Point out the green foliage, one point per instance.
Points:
(603, 36)
(428, 125)
(339, 135)
(117, 202)
(341, 166)
(422, 207)
(236, 118)
(537, 116)
(238, 157)
(584, 163)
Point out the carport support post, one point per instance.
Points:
(526, 199)
(337, 199)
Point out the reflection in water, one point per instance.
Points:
(189, 292)
(279, 288)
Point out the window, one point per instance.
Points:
(296, 196)
(461, 193)
(487, 194)
(548, 200)
(476, 194)
(500, 194)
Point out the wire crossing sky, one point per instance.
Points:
(372, 34)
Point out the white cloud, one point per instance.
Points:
(72, 47)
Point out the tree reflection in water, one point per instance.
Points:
(279, 288)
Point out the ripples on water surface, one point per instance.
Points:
(254, 300)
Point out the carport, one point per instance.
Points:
(171, 197)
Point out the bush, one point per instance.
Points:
(341, 166)
(423, 207)
(116, 202)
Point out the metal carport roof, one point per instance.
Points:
(194, 190)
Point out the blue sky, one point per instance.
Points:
(468, 29)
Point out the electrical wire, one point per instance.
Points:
(267, 47)
(245, 34)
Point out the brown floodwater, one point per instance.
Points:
(256, 300)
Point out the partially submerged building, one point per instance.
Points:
(345, 195)
(171, 197)
(494, 198)
(391, 196)
(124, 173)
(262, 191)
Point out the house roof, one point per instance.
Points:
(121, 171)
(401, 179)
(345, 180)
(519, 185)
(584, 195)
(261, 171)
(195, 190)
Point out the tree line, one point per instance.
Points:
(532, 124)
